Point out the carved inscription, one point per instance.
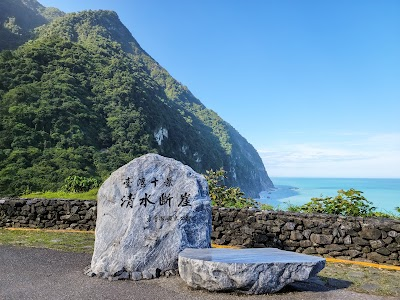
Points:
(128, 200)
(164, 199)
(141, 182)
(168, 182)
(185, 200)
(145, 200)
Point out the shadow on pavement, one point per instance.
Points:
(318, 284)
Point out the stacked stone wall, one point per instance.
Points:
(48, 213)
(352, 238)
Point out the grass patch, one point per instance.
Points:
(364, 279)
(57, 240)
(89, 195)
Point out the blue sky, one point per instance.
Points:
(313, 85)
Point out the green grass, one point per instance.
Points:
(62, 240)
(90, 195)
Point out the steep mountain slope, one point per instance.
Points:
(83, 98)
(19, 18)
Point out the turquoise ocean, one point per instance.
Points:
(383, 193)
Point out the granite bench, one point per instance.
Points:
(251, 271)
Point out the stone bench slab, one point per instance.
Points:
(251, 271)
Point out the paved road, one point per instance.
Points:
(31, 273)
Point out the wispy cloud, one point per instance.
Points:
(361, 156)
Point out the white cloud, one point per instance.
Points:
(361, 156)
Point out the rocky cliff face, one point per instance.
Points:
(132, 105)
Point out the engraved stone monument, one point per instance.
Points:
(148, 211)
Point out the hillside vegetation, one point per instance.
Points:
(19, 18)
(82, 98)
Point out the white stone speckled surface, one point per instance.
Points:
(148, 211)
(251, 271)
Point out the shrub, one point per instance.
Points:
(224, 196)
(79, 184)
(292, 207)
(266, 207)
(346, 203)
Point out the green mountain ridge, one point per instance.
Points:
(19, 18)
(83, 98)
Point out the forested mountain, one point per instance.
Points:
(19, 18)
(83, 98)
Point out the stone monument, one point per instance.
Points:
(148, 211)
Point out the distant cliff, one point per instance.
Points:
(81, 97)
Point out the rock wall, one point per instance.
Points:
(48, 213)
(352, 238)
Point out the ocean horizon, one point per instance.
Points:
(384, 193)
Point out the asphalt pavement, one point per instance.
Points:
(33, 273)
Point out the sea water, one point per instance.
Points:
(383, 193)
